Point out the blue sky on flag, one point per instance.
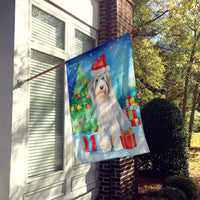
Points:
(118, 53)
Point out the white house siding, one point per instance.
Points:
(6, 72)
(15, 44)
(86, 10)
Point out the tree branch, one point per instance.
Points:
(193, 29)
(151, 88)
(155, 18)
(198, 36)
(135, 31)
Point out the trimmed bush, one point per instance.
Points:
(171, 193)
(183, 183)
(167, 139)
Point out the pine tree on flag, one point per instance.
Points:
(81, 108)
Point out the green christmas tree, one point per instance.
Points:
(81, 108)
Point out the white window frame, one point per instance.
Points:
(23, 46)
(56, 52)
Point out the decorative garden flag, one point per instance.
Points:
(105, 113)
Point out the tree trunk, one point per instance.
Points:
(187, 80)
(185, 91)
(193, 110)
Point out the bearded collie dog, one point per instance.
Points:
(110, 117)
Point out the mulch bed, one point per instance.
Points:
(149, 187)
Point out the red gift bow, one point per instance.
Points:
(129, 130)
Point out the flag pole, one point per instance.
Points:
(20, 83)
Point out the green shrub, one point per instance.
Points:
(183, 183)
(167, 139)
(171, 193)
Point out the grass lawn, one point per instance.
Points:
(194, 162)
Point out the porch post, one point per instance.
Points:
(118, 177)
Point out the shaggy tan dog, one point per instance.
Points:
(110, 117)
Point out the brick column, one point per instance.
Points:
(115, 19)
(104, 180)
(118, 177)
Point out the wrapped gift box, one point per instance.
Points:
(132, 113)
(90, 142)
(131, 101)
(128, 139)
(135, 122)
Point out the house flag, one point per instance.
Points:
(105, 113)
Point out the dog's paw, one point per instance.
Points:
(118, 148)
(106, 150)
(106, 146)
(102, 145)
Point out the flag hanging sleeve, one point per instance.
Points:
(104, 108)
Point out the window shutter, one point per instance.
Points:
(45, 140)
(47, 29)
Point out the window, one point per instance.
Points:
(46, 106)
(47, 29)
(45, 138)
(83, 42)
(42, 143)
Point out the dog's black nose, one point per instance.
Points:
(101, 87)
